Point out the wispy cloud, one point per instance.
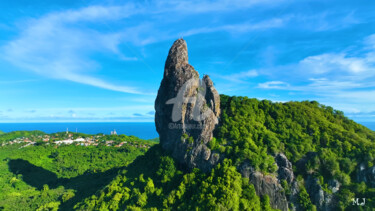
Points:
(274, 85)
(240, 77)
(57, 46)
(102, 46)
(198, 6)
(60, 44)
(337, 62)
(238, 28)
(18, 81)
(337, 79)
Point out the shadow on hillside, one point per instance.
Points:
(85, 185)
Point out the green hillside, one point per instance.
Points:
(129, 178)
(18, 134)
(255, 130)
(250, 130)
(46, 176)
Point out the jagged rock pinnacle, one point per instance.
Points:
(187, 111)
(178, 54)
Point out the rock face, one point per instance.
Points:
(187, 110)
(334, 185)
(265, 185)
(320, 198)
(285, 171)
(366, 175)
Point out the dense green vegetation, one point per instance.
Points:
(124, 178)
(47, 176)
(160, 184)
(256, 130)
(18, 134)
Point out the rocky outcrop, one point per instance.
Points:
(321, 199)
(366, 175)
(285, 171)
(187, 110)
(265, 185)
(294, 197)
(334, 185)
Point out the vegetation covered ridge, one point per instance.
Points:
(328, 152)
(254, 131)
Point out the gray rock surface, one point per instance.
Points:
(321, 199)
(187, 111)
(285, 171)
(315, 191)
(265, 185)
(294, 197)
(366, 175)
(334, 185)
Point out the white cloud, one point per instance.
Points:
(240, 77)
(274, 85)
(331, 62)
(326, 85)
(199, 6)
(238, 28)
(56, 46)
(340, 80)
(18, 81)
(59, 45)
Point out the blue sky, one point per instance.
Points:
(104, 60)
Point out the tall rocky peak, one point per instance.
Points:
(187, 110)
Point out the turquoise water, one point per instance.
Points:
(370, 125)
(144, 130)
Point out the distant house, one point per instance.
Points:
(68, 141)
(79, 140)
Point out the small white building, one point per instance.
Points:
(79, 140)
(68, 141)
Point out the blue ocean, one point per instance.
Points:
(143, 130)
(369, 125)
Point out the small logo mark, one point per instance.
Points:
(357, 202)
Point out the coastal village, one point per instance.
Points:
(69, 138)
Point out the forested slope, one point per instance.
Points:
(320, 142)
(323, 146)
